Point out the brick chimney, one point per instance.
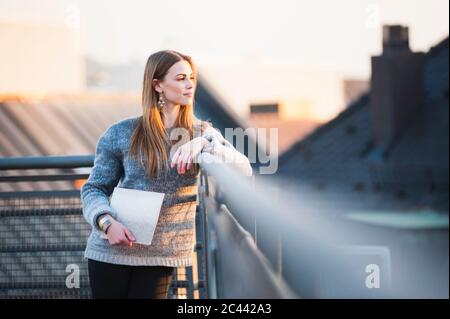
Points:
(396, 86)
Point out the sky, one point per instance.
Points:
(340, 35)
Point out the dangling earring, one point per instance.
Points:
(161, 102)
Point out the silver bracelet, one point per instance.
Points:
(104, 222)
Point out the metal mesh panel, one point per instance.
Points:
(42, 242)
(40, 237)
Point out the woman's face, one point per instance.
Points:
(179, 84)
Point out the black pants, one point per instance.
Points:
(122, 281)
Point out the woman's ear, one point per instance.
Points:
(156, 86)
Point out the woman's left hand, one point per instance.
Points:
(184, 156)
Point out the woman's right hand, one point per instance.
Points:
(118, 234)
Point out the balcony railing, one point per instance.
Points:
(43, 232)
(43, 236)
(251, 242)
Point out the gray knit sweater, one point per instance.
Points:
(173, 239)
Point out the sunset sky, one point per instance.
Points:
(340, 35)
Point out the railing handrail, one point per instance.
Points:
(314, 234)
(77, 168)
(46, 162)
(235, 184)
(226, 238)
(310, 239)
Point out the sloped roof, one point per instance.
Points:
(72, 124)
(416, 170)
(59, 126)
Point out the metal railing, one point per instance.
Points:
(251, 242)
(234, 266)
(266, 244)
(43, 233)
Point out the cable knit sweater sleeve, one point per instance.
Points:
(226, 152)
(105, 175)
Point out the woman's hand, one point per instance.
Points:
(118, 234)
(184, 156)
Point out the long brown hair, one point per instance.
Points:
(150, 137)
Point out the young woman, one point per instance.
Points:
(142, 154)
